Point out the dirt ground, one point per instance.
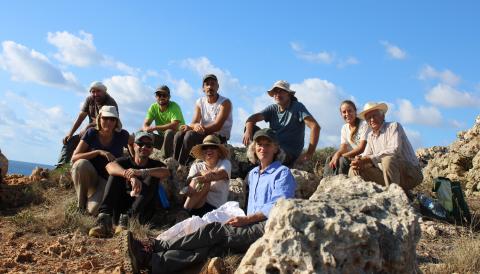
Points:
(40, 232)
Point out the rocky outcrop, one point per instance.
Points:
(307, 183)
(3, 165)
(237, 191)
(347, 226)
(460, 161)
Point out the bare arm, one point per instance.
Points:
(249, 124)
(115, 169)
(195, 120)
(245, 220)
(211, 176)
(356, 151)
(81, 116)
(314, 135)
(172, 125)
(81, 152)
(225, 110)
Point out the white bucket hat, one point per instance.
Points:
(370, 106)
(281, 84)
(109, 111)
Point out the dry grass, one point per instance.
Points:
(140, 231)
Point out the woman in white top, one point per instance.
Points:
(353, 141)
(208, 179)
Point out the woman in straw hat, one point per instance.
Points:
(353, 141)
(209, 178)
(98, 147)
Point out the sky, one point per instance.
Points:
(420, 57)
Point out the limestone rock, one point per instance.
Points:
(307, 183)
(237, 191)
(347, 226)
(3, 165)
(459, 162)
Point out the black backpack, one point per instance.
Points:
(450, 196)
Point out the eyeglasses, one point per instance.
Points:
(163, 95)
(109, 118)
(208, 147)
(143, 144)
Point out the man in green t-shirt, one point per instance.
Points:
(168, 118)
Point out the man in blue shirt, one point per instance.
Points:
(287, 117)
(268, 182)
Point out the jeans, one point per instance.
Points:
(343, 166)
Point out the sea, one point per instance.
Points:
(24, 168)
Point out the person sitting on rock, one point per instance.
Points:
(131, 188)
(168, 118)
(388, 157)
(209, 178)
(268, 182)
(287, 117)
(352, 142)
(213, 115)
(93, 103)
(98, 147)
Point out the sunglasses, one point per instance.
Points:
(109, 118)
(208, 147)
(163, 95)
(143, 144)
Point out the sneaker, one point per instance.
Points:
(104, 227)
(138, 254)
(122, 224)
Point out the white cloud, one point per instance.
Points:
(322, 98)
(80, 51)
(129, 91)
(183, 89)
(446, 76)
(74, 50)
(348, 62)
(32, 66)
(422, 115)
(394, 51)
(446, 96)
(319, 57)
(415, 138)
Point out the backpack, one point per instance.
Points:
(450, 196)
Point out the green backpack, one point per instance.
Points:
(450, 196)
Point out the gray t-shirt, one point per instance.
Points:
(289, 126)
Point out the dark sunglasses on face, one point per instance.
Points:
(143, 144)
(208, 147)
(109, 118)
(162, 95)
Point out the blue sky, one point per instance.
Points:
(418, 56)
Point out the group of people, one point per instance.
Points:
(117, 187)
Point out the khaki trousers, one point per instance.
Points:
(394, 171)
(88, 186)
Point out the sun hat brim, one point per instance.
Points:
(380, 106)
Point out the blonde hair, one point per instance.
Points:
(252, 156)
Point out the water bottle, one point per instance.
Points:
(432, 205)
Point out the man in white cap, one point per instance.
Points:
(389, 157)
(213, 115)
(287, 117)
(93, 103)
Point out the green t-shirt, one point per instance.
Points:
(172, 113)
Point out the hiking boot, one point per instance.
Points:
(138, 254)
(104, 227)
(122, 224)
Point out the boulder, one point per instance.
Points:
(307, 183)
(237, 191)
(3, 165)
(347, 226)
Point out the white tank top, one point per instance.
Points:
(209, 113)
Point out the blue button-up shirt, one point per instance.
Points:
(266, 188)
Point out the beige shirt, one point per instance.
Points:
(390, 141)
